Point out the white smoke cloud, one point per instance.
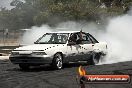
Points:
(6, 3)
(117, 35)
(90, 27)
(31, 35)
(119, 39)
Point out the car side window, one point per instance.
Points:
(73, 38)
(93, 39)
(85, 39)
(82, 38)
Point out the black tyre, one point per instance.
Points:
(24, 66)
(90, 61)
(57, 62)
(95, 58)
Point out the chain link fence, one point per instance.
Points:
(10, 38)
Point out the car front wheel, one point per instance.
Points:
(57, 62)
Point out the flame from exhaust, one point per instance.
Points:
(81, 71)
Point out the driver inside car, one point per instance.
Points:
(76, 38)
(73, 39)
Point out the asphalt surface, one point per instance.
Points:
(45, 77)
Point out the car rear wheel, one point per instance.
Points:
(57, 62)
(24, 66)
(96, 58)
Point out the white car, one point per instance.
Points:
(57, 48)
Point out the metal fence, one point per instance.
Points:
(10, 38)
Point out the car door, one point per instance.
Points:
(74, 50)
(87, 47)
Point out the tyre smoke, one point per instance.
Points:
(117, 34)
(119, 38)
(31, 35)
(6, 4)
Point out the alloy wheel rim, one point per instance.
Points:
(59, 62)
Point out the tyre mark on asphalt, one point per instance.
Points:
(12, 76)
(17, 75)
(45, 79)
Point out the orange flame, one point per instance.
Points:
(81, 71)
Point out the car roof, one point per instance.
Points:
(64, 32)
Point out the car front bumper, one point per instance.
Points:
(31, 59)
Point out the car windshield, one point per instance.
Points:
(53, 38)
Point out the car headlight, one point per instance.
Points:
(15, 53)
(39, 53)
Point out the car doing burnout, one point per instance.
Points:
(57, 48)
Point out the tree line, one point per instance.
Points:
(28, 13)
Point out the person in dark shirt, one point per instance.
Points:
(73, 39)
